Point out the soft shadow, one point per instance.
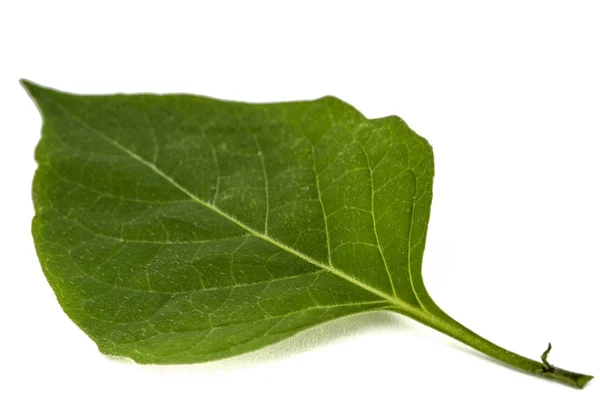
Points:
(321, 335)
(317, 337)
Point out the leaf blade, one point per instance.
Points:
(67, 113)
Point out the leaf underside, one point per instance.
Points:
(183, 229)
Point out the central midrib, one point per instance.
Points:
(396, 302)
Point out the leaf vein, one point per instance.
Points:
(329, 267)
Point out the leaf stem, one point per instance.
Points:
(447, 325)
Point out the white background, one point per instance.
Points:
(508, 94)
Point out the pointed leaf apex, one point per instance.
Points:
(29, 86)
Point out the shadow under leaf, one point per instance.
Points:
(316, 337)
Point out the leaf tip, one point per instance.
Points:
(36, 92)
(28, 85)
(32, 88)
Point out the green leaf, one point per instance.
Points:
(183, 229)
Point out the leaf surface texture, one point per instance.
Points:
(181, 229)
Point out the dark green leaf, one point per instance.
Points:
(181, 229)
